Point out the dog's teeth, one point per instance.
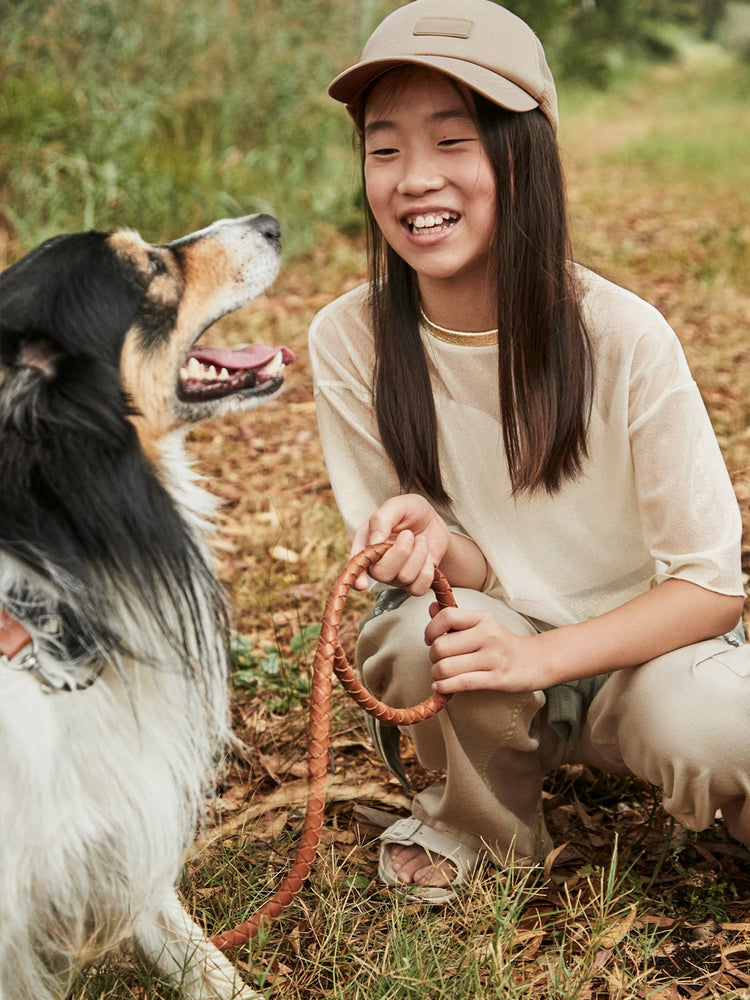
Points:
(212, 373)
(184, 373)
(274, 365)
(195, 368)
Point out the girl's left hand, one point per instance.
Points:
(471, 651)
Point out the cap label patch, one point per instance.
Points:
(447, 26)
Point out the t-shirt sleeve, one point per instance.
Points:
(688, 509)
(362, 477)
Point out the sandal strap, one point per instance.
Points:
(409, 830)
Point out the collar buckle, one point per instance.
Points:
(27, 659)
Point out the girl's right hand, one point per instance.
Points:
(420, 539)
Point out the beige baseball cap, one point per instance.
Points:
(477, 42)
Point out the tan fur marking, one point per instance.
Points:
(150, 384)
(202, 286)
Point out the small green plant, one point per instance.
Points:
(268, 670)
(702, 895)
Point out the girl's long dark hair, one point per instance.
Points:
(545, 364)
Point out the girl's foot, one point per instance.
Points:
(413, 864)
(428, 863)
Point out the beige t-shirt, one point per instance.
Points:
(654, 500)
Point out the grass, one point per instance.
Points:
(173, 113)
(632, 906)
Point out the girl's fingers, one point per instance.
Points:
(406, 564)
(459, 663)
(368, 533)
(363, 537)
(451, 620)
(469, 681)
(389, 565)
(458, 652)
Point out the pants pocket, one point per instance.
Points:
(736, 659)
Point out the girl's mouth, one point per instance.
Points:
(431, 222)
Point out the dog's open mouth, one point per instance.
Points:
(215, 372)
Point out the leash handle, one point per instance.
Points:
(330, 658)
(349, 680)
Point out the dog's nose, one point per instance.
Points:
(268, 226)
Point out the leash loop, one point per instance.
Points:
(330, 659)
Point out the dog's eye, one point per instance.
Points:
(156, 266)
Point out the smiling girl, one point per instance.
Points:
(498, 411)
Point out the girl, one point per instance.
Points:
(534, 431)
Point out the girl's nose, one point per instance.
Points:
(420, 175)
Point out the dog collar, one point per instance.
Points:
(18, 651)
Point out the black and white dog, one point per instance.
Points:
(114, 711)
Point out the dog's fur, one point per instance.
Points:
(103, 559)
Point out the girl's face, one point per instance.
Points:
(428, 179)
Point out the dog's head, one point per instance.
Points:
(98, 363)
(99, 318)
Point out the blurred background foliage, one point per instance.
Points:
(166, 115)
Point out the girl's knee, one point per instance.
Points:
(691, 705)
(392, 639)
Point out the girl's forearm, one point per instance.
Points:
(676, 613)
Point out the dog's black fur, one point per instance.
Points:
(106, 743)
(79, 497)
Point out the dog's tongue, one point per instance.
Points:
(249, 357)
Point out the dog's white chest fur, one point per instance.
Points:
(101, 792)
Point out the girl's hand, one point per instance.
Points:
(472, 651)
(420, 539)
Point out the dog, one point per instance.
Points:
(115, 711)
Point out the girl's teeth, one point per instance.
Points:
(431, 221)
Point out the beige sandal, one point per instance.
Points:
(411, 831)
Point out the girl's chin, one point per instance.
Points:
(450, 273)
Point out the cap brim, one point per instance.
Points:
(347, 86)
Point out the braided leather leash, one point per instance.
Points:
(330, 658)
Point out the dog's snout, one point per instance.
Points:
(268, 226)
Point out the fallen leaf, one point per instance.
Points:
(619, 929)
(549, 861)
(282, 554)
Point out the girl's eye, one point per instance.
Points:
(453, 142)
(385, 151)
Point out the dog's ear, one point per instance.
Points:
(38, 355)
(65, 309)
(70, 297)
(27, 352)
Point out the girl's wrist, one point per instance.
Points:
(463, 563)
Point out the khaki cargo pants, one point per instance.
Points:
(681, 722)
